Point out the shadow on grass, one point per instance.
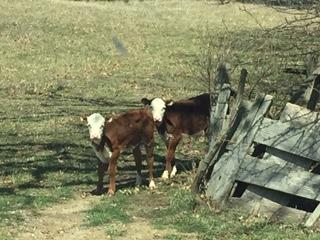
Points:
(81, 101)
(66, 106)
(77, 161)
(61, 169)
(284, 3)
(51, 163)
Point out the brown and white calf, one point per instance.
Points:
(189, 116)
(132, 129)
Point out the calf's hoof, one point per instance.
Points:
(173, 172)
(152, 185)
(110, 193)
(165, 175)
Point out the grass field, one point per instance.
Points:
(60, 60)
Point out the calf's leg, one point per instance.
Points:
(138, 160)
(150, 161)
(172, 145)
(102, 167)
(112, 172)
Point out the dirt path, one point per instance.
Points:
(67, 221)
(62, 221)
(140, 229)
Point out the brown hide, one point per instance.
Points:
(128, 130)
(189, 116)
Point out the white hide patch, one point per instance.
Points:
(152, 185)
(96, 125)
(103, 156)
(165, 174)
(158, 107)
(173, 172)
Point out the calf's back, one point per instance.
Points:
(130, 129)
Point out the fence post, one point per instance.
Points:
(224, 172)
(217, 118)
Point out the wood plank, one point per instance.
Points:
(311, 63)
(313, 217)
(224, 172)
(218, 113)
(316, 71)
(276, 174)
(253, 202)
(221, 127)
(312, 67)
(239, 99)
(217, 149)
(284, 199)
(218, 116)
(315, 93)
(273, 196)
(303, 141)
(217, 119)
(299, 161)
(298, 116)
(246, 107)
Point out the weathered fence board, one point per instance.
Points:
(277, 174)
(222, 127)
(265, 193)
(218, 117)
(298, 116)
(299, 161)
(239, 133)
(315, 90)
(289, 154)
(313, 217)
(303, 141)
(224, 173)
(253, 202)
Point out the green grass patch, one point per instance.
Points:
(112, 214)
(173, 237)
(5, 236)
(231, 224)
(11, 205)
(109, 210)
(173, 211)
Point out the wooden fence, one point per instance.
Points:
(275, 159)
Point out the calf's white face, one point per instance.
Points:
(95, 123)
(158, 107)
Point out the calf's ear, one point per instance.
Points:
(83, 119)
(169, 102)
(145, 101)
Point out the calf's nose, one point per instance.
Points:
(157, 118)
(94, 138)
(157, 121)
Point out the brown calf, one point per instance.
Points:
(189, 116)
(128, 130)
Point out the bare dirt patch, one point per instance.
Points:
(62, 221)
(68, 220)
(140, 229)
